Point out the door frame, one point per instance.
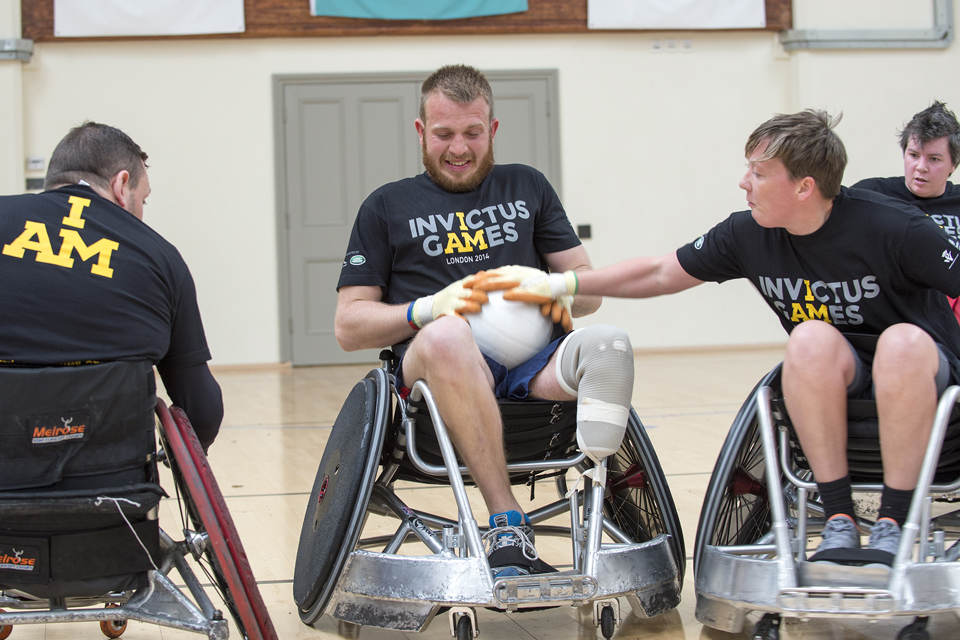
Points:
(281, 81)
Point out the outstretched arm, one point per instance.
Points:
(635, 278)
(643, 277)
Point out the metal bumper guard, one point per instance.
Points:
(730, 586)
(406, 592)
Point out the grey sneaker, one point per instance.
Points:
(885, 536)
(840, 532)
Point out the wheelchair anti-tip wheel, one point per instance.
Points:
(113, 628)
(223, 555)
(736, 506)
(639, 500)
(5, 630)
(338, 501)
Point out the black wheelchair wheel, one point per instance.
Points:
(736, 507)
(638, 499)
(464, 628)
(338, 502)
(204, 511)
(608, 623)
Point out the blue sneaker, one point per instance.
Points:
(510, 549)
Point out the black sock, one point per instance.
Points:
(894, 504)
(837, 497)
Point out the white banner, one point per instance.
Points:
(94, 18)
(676, 14)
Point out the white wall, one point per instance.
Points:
(12, 160)
(651, 144)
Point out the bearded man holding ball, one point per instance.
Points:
(413, 272)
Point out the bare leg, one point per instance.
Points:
(445, 355)
(904, 371)
(544, 385)
(817, 368)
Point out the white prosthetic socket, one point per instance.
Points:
(596, 365)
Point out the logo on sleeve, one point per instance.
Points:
(949, 258)
(357, 260)
(698, 243)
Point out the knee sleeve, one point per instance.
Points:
(596, 365)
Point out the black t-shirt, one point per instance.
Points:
(874, 263)
(82, 280)
(944, 209)
(411, 238)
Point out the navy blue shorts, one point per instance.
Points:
(513, 384)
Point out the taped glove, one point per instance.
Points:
(544, 288)
(504, 277)
(559, 312)
(455, 299)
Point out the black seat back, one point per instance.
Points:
(63, 426)
(77, 447)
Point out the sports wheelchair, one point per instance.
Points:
(761, 507)
(79, 500)
(379, 439)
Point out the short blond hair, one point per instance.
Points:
(807, 145)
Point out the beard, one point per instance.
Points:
(459, 185)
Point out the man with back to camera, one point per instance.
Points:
(409, 270)
(829, 261)
(112, 288)
(931, 151)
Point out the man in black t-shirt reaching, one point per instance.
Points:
(84, 280)
(410, 269)
(829, 262)
(931, 152)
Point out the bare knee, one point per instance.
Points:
(905, 352)
(445, 348)
(815, 348)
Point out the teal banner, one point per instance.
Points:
(415, 9)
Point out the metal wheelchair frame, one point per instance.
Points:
(772, 575)
(405, 592)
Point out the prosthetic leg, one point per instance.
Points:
(596, 365)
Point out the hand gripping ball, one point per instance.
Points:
(510, 332)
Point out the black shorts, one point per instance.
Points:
(862, 385)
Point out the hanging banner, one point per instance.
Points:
(676, 14)
(100, 18)
(415, 9)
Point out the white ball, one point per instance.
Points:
(510, 332)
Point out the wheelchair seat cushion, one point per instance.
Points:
(532, 430)
(73, 422)
(863, 442)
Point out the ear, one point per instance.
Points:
(421, 129)
(806, 187)
(120, 187)
(494, 124)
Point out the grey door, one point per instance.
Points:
(339, 138)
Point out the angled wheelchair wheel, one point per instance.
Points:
(736, 507)
(206, 514)
(638, 499)
(338, 502)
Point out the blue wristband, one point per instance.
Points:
(410, 319)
